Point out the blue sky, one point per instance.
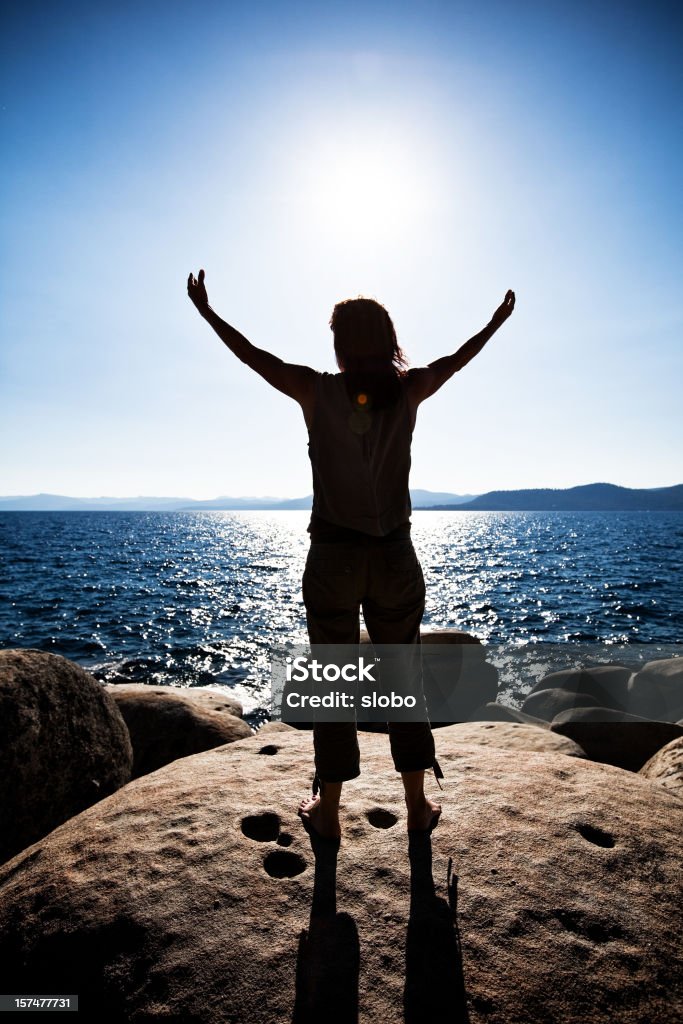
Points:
(431, 155)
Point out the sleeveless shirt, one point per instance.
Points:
(360, 460)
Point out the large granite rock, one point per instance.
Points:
(615, 737)
(608, 684)
(200, 696)
(270, 728)
(63, 745)
(550, 891)
(456, 676)
(546, 704)
(657, 690)
(510, 736)
(213, 699)
(166, 722)
(666, 767)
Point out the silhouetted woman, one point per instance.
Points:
(360, 423)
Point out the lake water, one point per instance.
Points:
(203, 597)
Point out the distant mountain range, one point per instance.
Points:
(60, 503)
(587, 498)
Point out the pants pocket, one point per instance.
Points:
(330, 581)
(399, 557)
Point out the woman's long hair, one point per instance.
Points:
(367, 351)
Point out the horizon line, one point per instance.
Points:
(271, 497)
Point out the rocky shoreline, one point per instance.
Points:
(153, 858)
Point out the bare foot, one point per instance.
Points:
(322, 819)
(423, 816)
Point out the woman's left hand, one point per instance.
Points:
(197, 291)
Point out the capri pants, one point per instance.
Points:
(385, 580)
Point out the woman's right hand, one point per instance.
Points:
(197, 291)
(504, 310)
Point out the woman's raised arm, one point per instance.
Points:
(296, 381)
(425, 380)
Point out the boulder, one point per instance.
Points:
(646, 700)
(454, 691)
(614, 737)
(656, 691)
(166, 722)
(269, 728)
(213, 699)
(510, 736)
(548, 892)
(457, 677)
(666, 767)
(63, 745)
(608, 684)
(546, 704)
(201, 697)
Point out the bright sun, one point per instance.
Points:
(366, 189)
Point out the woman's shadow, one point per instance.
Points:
(435, 987)
(329, 952)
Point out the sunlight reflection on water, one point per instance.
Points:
(202, 597)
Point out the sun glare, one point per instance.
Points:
(358, 189)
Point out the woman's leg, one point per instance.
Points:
(331, 591)
(393, 612)
(423, 813)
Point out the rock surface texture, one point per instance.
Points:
(63, 745)
(166, 722)
(510, 736)
(548, 893)
(666, 767)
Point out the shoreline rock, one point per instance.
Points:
(166, 723)
(63, 745)
(666, 767)
(614, 737)
(194, 893)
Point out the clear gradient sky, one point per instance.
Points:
(428, 154)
